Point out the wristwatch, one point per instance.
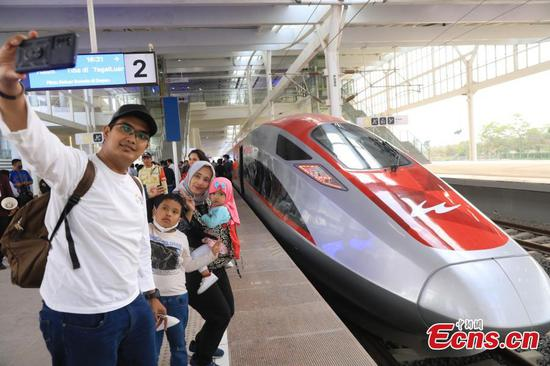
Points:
(153, 294)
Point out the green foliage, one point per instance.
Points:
(515, 140)
(450, 152)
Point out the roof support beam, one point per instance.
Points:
(158, 14)
(60, 121)
(302, 60)
(332, 59)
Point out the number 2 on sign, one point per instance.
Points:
(139, 73)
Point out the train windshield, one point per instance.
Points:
(357, 148)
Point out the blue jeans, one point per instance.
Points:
(125, 336)
(176, 306)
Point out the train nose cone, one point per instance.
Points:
(506, 293)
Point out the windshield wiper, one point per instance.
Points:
(384, 145)
(395, 164)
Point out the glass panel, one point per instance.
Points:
(264, 181)
(357, 148)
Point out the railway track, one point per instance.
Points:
(528, 237)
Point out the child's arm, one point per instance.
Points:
(191, 264)
(216, 217)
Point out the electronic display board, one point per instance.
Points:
(98, 70)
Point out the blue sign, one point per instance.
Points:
(171, 118)
(99, 70)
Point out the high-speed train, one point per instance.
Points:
(396, 246)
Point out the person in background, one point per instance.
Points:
(22, 181)
(194, 156)
(6, 190)
(227, 167)
(172, 166)
(170, 176)
(220, 172)
(152, 175)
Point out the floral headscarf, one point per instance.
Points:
(184, 184)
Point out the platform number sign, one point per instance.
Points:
(140, 68)
(97, 137)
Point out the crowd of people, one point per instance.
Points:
(147, 247)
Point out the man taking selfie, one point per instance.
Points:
(95, 314)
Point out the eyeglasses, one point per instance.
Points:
(219, 185)
(129, 131)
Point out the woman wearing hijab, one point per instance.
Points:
(215, 305)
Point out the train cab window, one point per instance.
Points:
(287, 150)
(357, 148)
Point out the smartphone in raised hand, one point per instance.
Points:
(47, 53)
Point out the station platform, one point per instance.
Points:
(527, 171)
(513, 191)
(280, 318)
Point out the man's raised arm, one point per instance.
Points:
(12, 100)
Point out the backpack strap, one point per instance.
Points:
(81, 189)
(138, 183)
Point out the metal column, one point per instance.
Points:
(332, 61)
(269, 81)
(89, 94)
(470, 101)
(249, 88)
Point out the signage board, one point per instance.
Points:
(171, 118)
(88, 138)
(98, 70)
(382, 121)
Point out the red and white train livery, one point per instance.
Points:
(396, 245)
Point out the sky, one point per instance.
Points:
(446, 122)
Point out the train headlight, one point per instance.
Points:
(319, 173)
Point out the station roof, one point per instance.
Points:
(207, 45)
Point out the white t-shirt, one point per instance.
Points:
(109, 227)
(171, 259)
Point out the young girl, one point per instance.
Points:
(221, 220)
(170, 260)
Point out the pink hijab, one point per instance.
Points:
(223, 184)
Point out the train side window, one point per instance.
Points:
(288, 150)
(265, 182)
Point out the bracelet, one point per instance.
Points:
(13, 97)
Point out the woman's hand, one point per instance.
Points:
(189, 201)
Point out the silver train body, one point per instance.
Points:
(395, 247)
